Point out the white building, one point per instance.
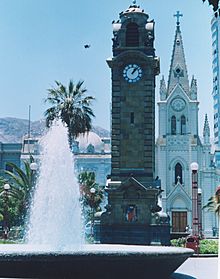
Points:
(215, 24)
(179, 144)
(93, 153)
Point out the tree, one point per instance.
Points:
(91, 194)
(214, 205)
(21, 182)
(215, 5)
(72, 106)
(9, 204)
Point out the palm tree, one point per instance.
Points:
(72, 106)
(214, 205)
(92, 194)
(21, 182)
(91, 197)
(214, 4)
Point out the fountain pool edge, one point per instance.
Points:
(93, 261)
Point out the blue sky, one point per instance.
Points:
(42, 41)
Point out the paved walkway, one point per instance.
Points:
(197, 268)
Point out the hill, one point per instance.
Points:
(12, 130)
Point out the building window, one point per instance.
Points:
(173, 125)
(132, 118)
(183, 125)
(178, 173)
(132, 35)
(90, 148)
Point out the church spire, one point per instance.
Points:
(193, 89)
(163, 89)
(206, 131)
(178, 70)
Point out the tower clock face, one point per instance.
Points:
(132, 73)
(178, 104)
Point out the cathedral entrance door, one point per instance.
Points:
(179, 221)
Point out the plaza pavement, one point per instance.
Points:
(197, 268)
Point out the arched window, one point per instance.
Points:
(173, 125)
(183, 125)
(132, 35)
(178, 173)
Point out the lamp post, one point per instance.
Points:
(195, 222)
(33, 167)
(200, 212)
(217, 202)
(5, 219)
(92, 192)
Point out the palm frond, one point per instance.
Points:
(71, 87)
(19, 172)
(212, 204)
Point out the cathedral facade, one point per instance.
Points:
(179, 144)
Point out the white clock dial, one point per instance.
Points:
(178, 104)
(132, 73)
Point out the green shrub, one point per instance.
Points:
(179, 242)
(208, 246)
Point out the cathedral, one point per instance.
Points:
(179, 144)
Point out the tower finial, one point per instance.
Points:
(178, 15)
(134, 2)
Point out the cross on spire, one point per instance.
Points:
(178, 15)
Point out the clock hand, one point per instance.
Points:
(135, 69)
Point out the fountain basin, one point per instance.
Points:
(93, 261)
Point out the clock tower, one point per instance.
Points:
(132, 189)
(134, 67)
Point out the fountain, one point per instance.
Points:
(54, 240)
(55, 217)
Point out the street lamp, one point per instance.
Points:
(5, 219)
(195, 221)
(217, 199)
(200, 211)
(33, 167)
(92, 192)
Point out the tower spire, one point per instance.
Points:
(178, 70)
(206, 131)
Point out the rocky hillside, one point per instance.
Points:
(12, 130)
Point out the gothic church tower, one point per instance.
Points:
(178, 144)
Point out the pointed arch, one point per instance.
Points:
(132, 35)
(178, 173)
(173, 125)
(174, 204)
(183, 125)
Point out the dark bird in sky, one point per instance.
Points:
(86, 46)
